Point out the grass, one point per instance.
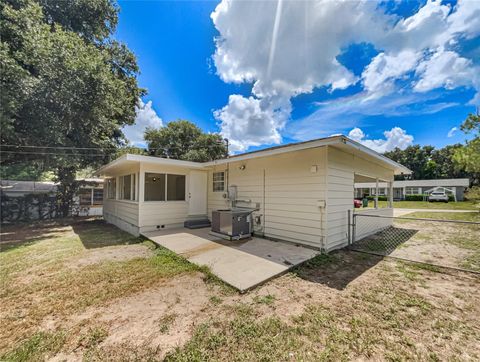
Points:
(36, 268)
(353, 306)
(460, 205)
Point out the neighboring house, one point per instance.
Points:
(88, 201)
(301, 192)
(455, 187)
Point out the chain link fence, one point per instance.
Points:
(440, 242)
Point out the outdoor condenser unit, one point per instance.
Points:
(232, 224)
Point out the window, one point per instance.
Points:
(163, 187)
(413, 191)
(111, 188)
(85, 196)
(218, 181)
(155, 187)
(125, 187)
(175, 187)
(97, 196)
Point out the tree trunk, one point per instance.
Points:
(66, 189)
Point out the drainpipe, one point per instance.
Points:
(376, 193)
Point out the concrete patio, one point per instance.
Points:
(243, 264)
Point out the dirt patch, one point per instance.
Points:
(109, 254)
(163, 317)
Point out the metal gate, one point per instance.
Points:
(439, 242)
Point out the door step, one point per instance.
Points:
(197, 224)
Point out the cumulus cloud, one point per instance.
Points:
(452, 132)
(394, 138)
(250, 122)
(145, 116)
(287, 48)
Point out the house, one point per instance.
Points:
(401, 189)
(87, 202)
(301, 192)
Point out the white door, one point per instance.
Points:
(197, 193)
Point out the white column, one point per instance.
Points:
(376, 193)
(141, 185)
(390, 194)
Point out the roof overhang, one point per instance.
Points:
(128, 160)
(342, 141)
(337, 141)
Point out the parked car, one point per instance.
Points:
(438, 196)
(357, 203)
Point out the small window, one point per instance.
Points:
(111, 188)
(154, 187)
(175, 187)
(218, 181)
(85, 196)
(97, 196)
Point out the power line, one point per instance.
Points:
(55, 153)
(109, 148)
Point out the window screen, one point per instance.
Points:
(85, 196)
(218, 181)
(126, 187)
(154, 187)
(97, 196)
(111, 188)
(175, 187)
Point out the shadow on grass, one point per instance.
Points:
(93, 233)
(337, 269)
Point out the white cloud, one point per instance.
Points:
(287, 48)
(394, 138)
(247, 122)
(445, 69)
(452, 132)
(145, 117)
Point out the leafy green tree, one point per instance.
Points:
(66, 87)
(468, 157)
(183, 140)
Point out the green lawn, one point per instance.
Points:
(337, 307)
(461, 205)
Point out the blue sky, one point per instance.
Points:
(291, 71)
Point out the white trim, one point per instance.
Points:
(335, 140)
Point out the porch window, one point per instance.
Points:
(218, 181)
(175, 187)
(124, 185)
(155, 186)
(97, 196)
(111, 188)
(164, 187)
(85, 196)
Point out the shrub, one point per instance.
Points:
(414, 197)
(380, 198)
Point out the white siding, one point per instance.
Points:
(123, 214)
(286, 192)
(342, 167)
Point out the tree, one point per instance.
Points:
(183, 140)
(66, 87)
(468, 157)
(429, 163)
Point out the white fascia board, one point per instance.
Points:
(399, 169)
(164, 161)
(278, 150)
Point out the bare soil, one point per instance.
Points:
(346, 306)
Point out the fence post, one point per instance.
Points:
(349, 226)
(354, 226)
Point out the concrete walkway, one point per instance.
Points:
(242, 264)
(402, 212)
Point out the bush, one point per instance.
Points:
(473, 194)
(414, 197)
(380, 198)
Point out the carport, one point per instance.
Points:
(242, 264)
